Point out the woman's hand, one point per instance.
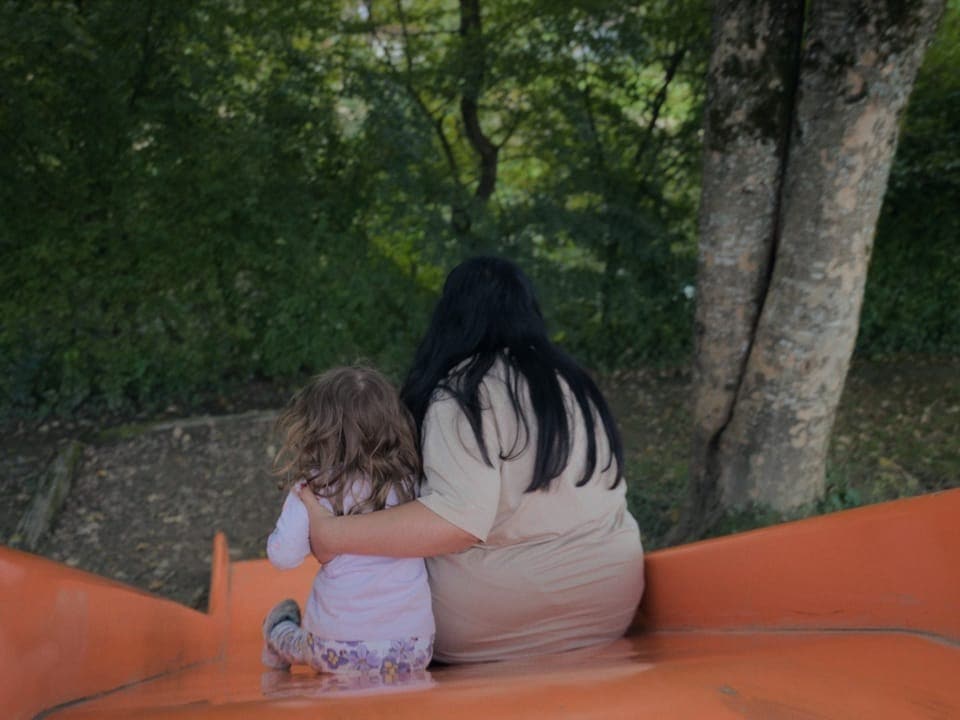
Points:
(321, 520)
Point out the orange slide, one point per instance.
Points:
(852, 615)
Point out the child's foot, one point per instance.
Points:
(286, 611)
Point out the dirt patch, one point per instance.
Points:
(149, 498)
(653, 410)
(897, 434)
(146, 505)
(24, 452)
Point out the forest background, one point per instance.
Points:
(200, 195)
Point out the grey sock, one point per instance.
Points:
(287, 610)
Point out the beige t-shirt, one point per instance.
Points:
(554, 569)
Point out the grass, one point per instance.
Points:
(897, 434)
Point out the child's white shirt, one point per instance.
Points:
(354, 597)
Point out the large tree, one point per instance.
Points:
(800, 130)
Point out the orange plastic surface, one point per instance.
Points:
(845, 616)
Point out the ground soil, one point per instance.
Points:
(150, 495)
(147, 502)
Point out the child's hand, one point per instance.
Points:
(320, 518)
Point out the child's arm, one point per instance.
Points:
(408, 530)
(289, 543)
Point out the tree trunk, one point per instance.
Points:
(786, 232)
(750, 87)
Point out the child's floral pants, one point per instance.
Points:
(392, 659)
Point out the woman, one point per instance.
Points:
(523, 515)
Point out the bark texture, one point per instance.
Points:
(750, 93)
(786, 233)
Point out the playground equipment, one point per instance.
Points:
(851, 615)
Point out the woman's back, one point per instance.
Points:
(558, 568)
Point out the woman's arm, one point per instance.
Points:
(457, 510)
(408, 530)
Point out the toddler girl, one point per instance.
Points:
(348, 439)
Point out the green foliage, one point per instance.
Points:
(912, 301)
(839, 495)
(196, 193)
(749, 518)
(174, 213)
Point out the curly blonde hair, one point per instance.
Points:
(349, 422)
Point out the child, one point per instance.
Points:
(349, 439)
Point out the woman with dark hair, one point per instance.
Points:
(523, 515)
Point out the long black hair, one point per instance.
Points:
(488, 310)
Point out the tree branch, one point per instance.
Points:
(146, 56)
(473, 77)
(658, 102)
(435, 122)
